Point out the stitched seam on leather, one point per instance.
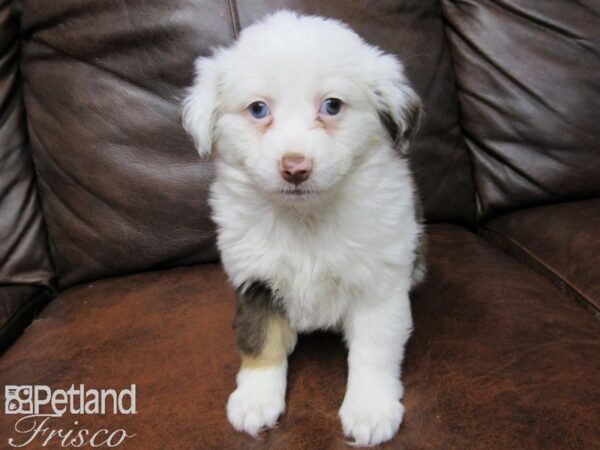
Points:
(235, 17)
(546, 270)
(522, 250)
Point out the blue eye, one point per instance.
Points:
(331, 107)
(259, 110)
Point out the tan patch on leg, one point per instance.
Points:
(280, 340)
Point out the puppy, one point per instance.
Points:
(315, 209)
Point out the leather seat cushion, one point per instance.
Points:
(560, 241)
(499, 358)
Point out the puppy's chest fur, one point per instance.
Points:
(315, 277)
(316, 265)
(313, 273)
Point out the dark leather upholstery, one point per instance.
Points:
(561, 241)
(25, 267)
(479, 372)
(122, 187)
(499, 359)
(527, 76)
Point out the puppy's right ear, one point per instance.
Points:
(200, 105)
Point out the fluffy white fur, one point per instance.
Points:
(340, 251)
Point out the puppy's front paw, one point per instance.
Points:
(370, 420)
(257, 402)
(252, 412)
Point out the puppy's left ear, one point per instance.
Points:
(398, 105)
(200, 105)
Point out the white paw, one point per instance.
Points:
(370, 420)
(258, 401)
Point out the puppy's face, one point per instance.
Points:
(297, 103)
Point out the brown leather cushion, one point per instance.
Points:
(122, 188)
(24, 257)
(561, 241)
(527, 76)
(499, 359)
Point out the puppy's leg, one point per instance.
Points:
(376, 334)
(265, 339)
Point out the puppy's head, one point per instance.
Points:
(297, 102)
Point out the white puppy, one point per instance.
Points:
(315, 208)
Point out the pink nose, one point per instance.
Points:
(295, 168)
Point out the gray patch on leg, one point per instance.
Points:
(256, 304)
(420, 264)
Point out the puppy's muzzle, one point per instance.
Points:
(295, 168)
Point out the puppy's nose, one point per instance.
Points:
(295, 168)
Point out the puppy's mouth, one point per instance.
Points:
(297, 192)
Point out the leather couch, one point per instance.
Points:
(104, 221)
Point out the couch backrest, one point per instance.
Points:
(122, 188)
(528, 76)
(24, 256)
